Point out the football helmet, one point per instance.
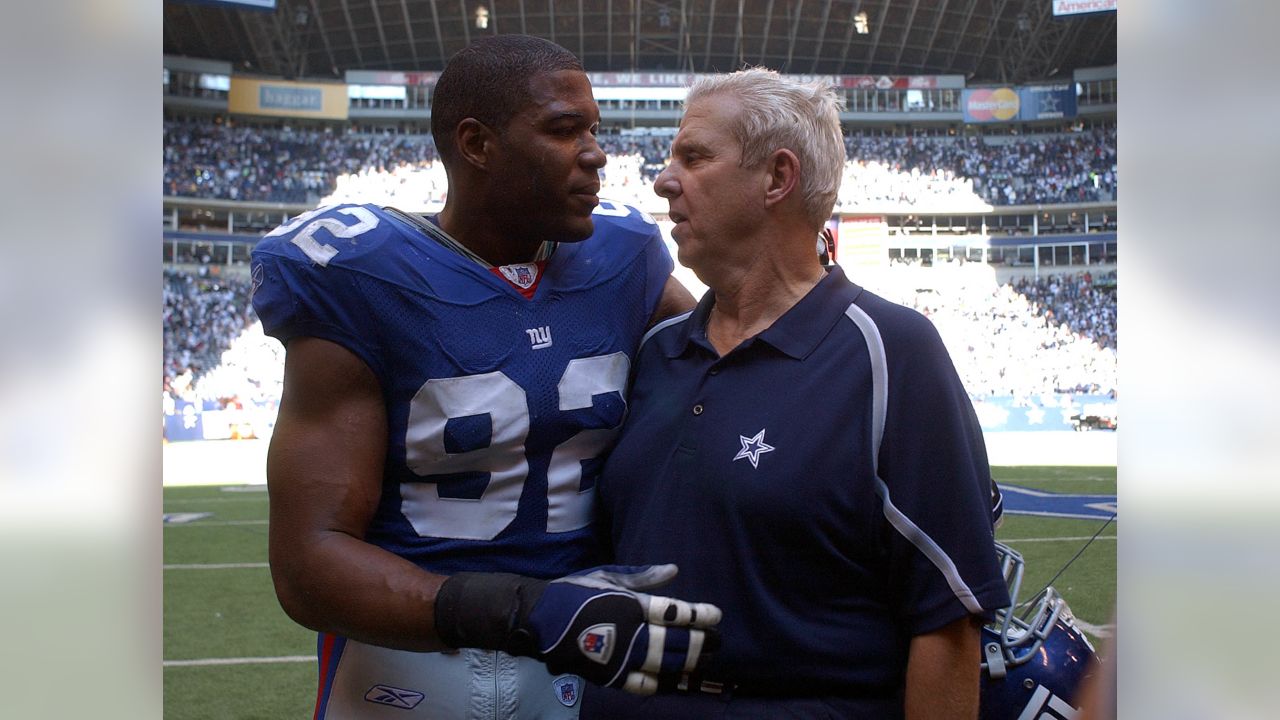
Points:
(1034, 658)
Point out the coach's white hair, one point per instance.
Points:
(780, 113)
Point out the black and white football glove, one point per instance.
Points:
(595, 623)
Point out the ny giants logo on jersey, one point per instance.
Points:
(539, 337)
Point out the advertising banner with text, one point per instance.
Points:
(283, 98)
(1081, 7)
(1047, 102)
(1034, 102)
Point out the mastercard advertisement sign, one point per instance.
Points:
(990, 104)
(1026, 103)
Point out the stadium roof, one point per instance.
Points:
(1006, 41)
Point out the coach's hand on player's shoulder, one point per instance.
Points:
(597, 623)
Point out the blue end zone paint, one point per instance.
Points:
(1024, 501)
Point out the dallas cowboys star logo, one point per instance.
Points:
(753, 448)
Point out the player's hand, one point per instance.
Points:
(597, 623)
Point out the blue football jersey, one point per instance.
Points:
(499, 407)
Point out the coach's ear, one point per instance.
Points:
(784, 176)
(475, 141)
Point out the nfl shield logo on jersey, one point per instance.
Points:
(596, 642)
(568, 689)
(521, 274)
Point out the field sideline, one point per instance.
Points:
(230, 652)
(241, 462)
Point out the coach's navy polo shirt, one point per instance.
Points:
(825, 483)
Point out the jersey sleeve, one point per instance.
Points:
(309, 280)
(936, 484)
(630, 235)
(658, 265)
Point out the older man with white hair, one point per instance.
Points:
(801, 447)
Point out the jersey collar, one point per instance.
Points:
(797, 333)
(431, 227)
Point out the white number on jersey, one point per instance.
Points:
(321, 253)
(505, 402)
(617, 209)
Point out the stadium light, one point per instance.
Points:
(482, 17)
(860, 23)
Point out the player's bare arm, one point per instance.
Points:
(324, 472)
(676, 299)
(942, 678)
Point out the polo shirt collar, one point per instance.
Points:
(797, 332)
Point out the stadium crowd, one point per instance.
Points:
(1055, 334)
(211, 160)
(202, 316)
(1006, 343)
(1027, 339)
(1035, 170)
(1076, 302)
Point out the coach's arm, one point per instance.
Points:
(944, 672)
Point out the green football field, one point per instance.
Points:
(230, 652)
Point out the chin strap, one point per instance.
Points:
(995, 660)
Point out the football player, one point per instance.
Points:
(450, 386)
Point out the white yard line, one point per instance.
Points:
(208, 523)
(203, 501)
(217, 566)
(1102, 631)
(204, 662)
(1056, 539)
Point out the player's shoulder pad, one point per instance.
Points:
(344, 235)
(622, 232)
(613, 219)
